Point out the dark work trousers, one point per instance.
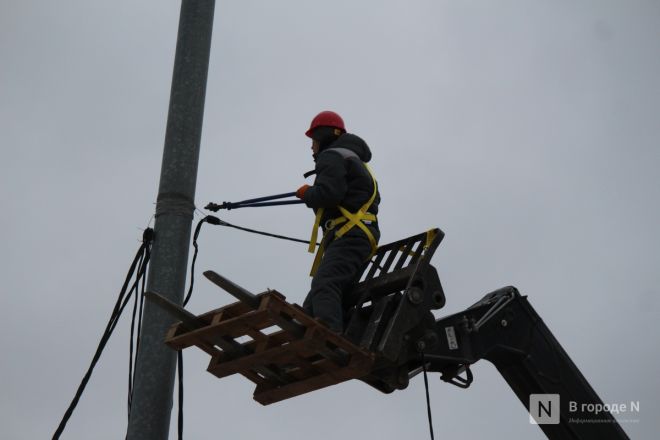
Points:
(339, 270)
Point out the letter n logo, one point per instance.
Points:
(544, 409)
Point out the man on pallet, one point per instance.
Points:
(345, 198)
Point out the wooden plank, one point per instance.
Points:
(208, 348)
(230, 328)
(230, 310)
(254, 377)
(272, 340)
(283, 354)
(302, 367)
(267, 395)
(276, 394)
(241, 294)
(188, 319)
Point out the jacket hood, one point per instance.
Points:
(354, 143)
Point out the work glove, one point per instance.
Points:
(301, 191)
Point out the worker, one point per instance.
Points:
(345, 199)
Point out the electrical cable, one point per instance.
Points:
(130, 350)
(428, 398)
(140, 261)
(216, 221)
(194, 258)
(133, 357)
(180, 378)
(207, 219)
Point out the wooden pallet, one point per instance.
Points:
(276, 345)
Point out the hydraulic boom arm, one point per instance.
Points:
(506, 330)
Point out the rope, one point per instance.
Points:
(140, 261)
(428, 398)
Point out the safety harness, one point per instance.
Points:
(349, 219)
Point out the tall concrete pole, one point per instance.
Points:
(156, 364)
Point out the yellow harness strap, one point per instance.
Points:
(315, 231)
(350, 219)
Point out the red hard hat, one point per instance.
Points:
(326, 119)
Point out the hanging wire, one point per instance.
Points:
(206, 219)
(428, 398)
(137, 288)
(254, 231)
(130, 349)
(140, 262)
(134, 356)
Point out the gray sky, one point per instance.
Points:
(527, 131)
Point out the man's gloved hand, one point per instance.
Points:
(301, 191)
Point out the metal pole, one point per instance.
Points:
(154, 378)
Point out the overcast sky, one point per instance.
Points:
(527, 131)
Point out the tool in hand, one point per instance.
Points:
(255, 203)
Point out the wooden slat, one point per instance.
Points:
(232, 328)
(234, 309)
(254, 377)
(268, 395)
(285, 354)
(203, 345)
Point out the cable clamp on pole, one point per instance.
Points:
(174, 204)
